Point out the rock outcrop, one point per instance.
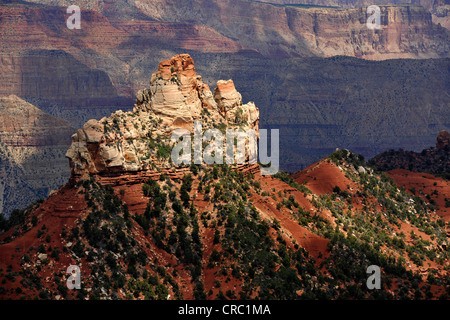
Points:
(443, 140)
(227, 96)
(139, 140)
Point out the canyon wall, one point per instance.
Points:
(282, 31)
(32, 149)
(274, 31)
(439, 9)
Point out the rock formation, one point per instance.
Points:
(50, 78)
(137, 140)
(443, 140)
(226, 96)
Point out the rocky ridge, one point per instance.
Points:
(219, 233)
(32, 148)
(25, 125)
(273, 31)
(431, 160)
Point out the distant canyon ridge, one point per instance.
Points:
(438, 8)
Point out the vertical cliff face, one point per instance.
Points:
(429, 4)
(439, 9)
(283, 31)
(406, 32)
(87, 73)
(364, 106)
(139, 140)
(32, 149)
